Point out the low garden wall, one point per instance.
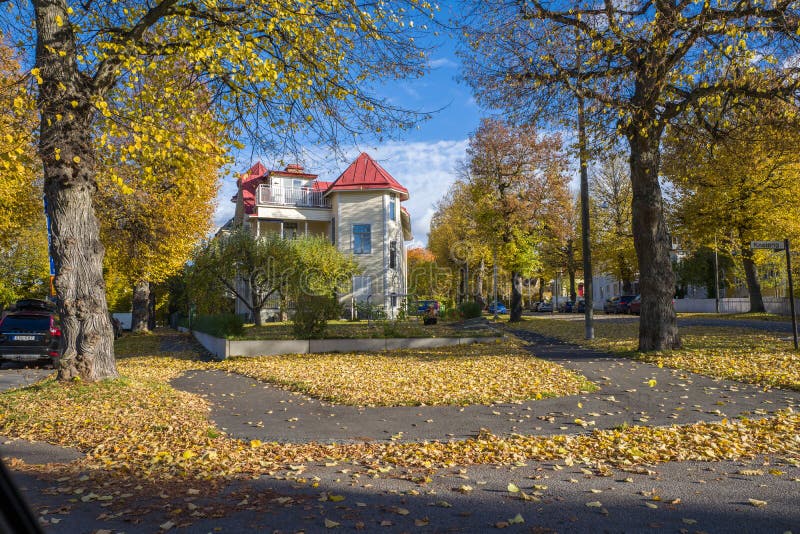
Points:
(223, 348)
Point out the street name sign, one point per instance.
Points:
(771, 245)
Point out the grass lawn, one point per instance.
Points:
(363, 330)
(771, 317)
(140, 428)
(481, 373)
(741, 354)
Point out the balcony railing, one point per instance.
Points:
(300, 197)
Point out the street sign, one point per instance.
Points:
(772, 245)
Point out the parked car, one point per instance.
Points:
(423, 305)
(499, 306)
(567, 306)
(30, 333)
(535, 306)
(635, 307)
(624, 303)
(610, 305)
(429, 309)
(580, 307)
(546, 307)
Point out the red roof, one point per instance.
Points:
(248, 183)
(258, 174)
(365, 174)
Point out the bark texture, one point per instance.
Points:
(141, 307)
(658, 329)
(65, 148)
(516, 298)
(753, 285)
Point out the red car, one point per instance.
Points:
(624, 303)
(635, 306)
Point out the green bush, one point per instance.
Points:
(312, 314)
(219, 325)
(469, 310)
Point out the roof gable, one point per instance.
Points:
(366, 174)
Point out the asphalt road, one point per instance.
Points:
(249, 409)
(674, 497)
(758, 495)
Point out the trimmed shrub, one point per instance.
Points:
(219, 325)
(469, 310)
(311, 316)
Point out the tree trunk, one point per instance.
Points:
(573, 296)
(479, 285)
(658, 328)
(67, 154)
(541, 289)
(753, 285)
(626, 275)
(256, 307)
(151, 311)
(141, 307)
(516, 298)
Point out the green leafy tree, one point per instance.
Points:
(282, 71)
(735, 170)
(456, 243)
(517, 177)
(249, 268)
(156, 205)
(319, 268)
(612, 231)
(638, 66)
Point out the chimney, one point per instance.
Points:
(295, 168)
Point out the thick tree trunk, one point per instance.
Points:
(753, 285)
(658, 328)
(516, 298)
(541, 289)
(141, 307)
(67, 154)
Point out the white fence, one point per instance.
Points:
(291, 196)
(775, 305)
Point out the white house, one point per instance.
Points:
(360, 212)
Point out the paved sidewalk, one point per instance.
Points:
(249, 409)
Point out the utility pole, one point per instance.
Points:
(587, 252)
(791, 291)
(494, 282)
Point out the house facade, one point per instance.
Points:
(360, 212)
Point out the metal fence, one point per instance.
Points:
(291, 196)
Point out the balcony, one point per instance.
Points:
(297, 197)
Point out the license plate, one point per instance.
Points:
(22, 357)
(24, 338)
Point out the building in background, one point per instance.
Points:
(360, 212)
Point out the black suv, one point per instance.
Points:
(30, 333)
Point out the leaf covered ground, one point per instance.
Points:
(481, 373)
(140, 426)
(741, 354)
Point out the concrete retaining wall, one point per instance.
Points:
(223, 348)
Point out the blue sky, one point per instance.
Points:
(423, 160)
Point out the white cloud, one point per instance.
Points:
(426, 169)
(441, 62)
(225, 208)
